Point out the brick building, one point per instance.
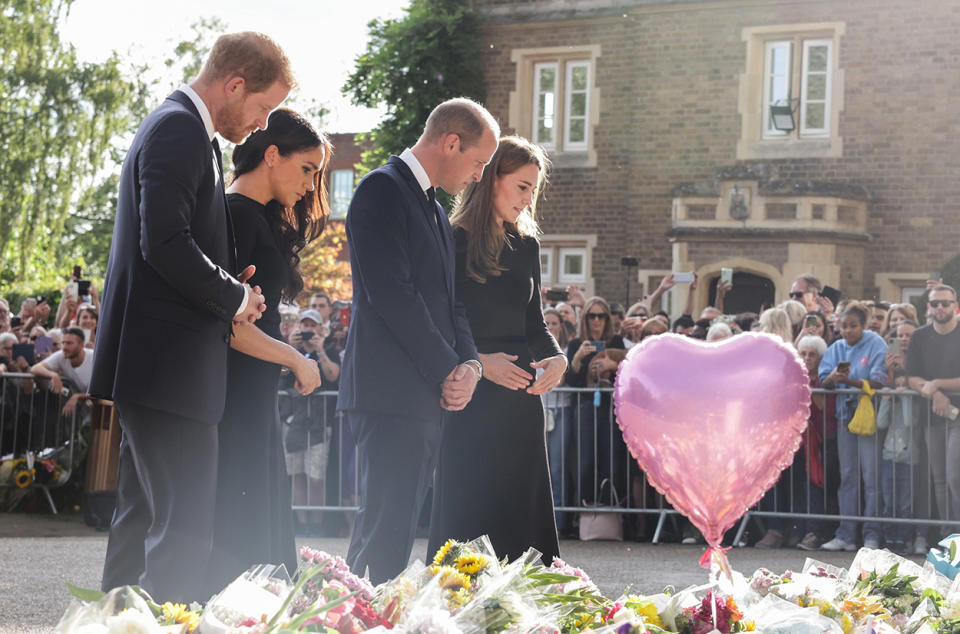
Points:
(774, 137)
(341, 179)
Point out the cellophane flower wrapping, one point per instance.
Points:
(122, 610)
(248, 602)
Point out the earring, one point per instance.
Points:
(269, 164)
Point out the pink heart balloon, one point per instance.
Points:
(712, 424)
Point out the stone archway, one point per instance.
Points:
(755, 284)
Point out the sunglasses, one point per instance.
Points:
(798, 294)
(640, 315)
(941, 303)
(596, 315)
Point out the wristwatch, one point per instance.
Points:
(477, 366)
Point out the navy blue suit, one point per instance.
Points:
(407, 333)
(161, 351)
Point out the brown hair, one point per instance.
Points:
(463, 117)
(474, 210)
(564, 339)
(295, 227)
(583, 331)
(250, 55)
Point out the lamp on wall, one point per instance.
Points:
(781, 116)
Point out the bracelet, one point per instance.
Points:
(477, 367)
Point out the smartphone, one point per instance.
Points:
(683, 278)
(83, 288)
(345, 316)
(811, 321)
(726, 276)
(557, 295)
(843, 366)
(76, 273)
(16, 321)
(599, 345)
(72, 291)
(44, 345)
(306, 335)
(894, 346)
(24, 350)
(831, 293)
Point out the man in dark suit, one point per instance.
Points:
(169, 305)
(409, 353)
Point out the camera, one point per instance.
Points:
(306, 335)
(629, 261)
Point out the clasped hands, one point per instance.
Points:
(256, 303)
(499, 367)
(939, 400)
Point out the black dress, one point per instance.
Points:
(254, 520)
(493, 477)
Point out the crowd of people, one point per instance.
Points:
(58, 352)
(906, 469)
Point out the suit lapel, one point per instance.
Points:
(441, 231)
(217, 159)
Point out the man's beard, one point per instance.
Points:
(231, 125)
(945, 320)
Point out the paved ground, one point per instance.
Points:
(39, 552)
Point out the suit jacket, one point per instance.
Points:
(407, 330)
(168, 300)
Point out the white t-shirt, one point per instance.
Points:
(79, 375)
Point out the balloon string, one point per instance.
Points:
(717, 555)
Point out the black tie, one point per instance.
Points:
(216, 152)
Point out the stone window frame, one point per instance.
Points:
(521, 105)
(552, 244)
(337, 212)
(753, 143)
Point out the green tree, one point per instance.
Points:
(59, 119)
(410, 65)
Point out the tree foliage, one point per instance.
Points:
(410, 65)
(323, 269)
(59, 118)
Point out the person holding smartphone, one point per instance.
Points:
(859, 355)
(815, 324)
(592, 365)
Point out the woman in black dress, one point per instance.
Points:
(278, 204)
(493, 477)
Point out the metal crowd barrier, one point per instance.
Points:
(40, 448)
(587, 455)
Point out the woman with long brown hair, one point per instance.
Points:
(278, 203)
(493, 476)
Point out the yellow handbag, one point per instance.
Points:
(864, 421)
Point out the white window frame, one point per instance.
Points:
(769, 131)
(578, 146)
(337, 213)
(562, 276)
(806, 131)
(547, 145)
(546, 268)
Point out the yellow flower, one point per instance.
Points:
(749, 626)
(438, 559)
(450, 578)
(471, 564)
(178, 613)
(645, 609)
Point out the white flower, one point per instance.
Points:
(92, 628)
(132, 622)
(952, 608)
(427, 621)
